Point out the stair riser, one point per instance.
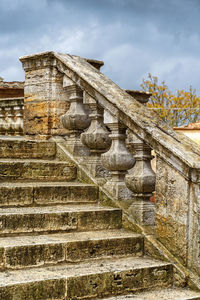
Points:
(118, 283)
(92, 286)
(39, 255)
(39, 171)
(50, 289)
(47, 195)
(49, 222)
(27, 149)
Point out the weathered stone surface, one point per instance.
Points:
(172, 208)
(88, 279)
(45, 99)
(22, 148)
(43, 118)
(36, 170)
(29, 251)
(50, 218)
(161, 294)
(24, 194)
(52, 289)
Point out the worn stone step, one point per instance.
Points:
(17, 147)
(161, 294)
(46, 193)
(29, 251)
(58, 218)
(86, 280)
(44, 170)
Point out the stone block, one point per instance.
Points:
(21, 148)
(34, 251)
(36, 170)
(58, 218)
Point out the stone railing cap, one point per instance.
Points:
(141, 96)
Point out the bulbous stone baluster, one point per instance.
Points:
(141, 181)
(96, 138)
(118, 159)
(75, 120)
(9, 120)
(2, 120)
(18, 119)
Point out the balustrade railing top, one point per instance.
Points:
(146, 124)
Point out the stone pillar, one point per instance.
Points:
(118, 159)
(45, 99)
(76, 119)
(96, 138)
(141, 181)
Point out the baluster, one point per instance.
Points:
(18, 119)
(75, 120)
(118, 159)
(141, 181)
(9, 120)
(96, 138)
(2, 121)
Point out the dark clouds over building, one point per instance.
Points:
(132, 37)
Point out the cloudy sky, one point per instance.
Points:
(132, 37)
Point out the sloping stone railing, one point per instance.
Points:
(111, 132)
(11, 116)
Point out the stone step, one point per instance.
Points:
(17, 147)
(58, 218)
(161, 294)
(86, 280)
(30, 251)
(44, 170)
(46, 193)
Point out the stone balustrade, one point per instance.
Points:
(101, 114)
(11, 116)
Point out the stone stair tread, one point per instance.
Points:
(68, 217)
(36, 170)
(34, 193)
(43, 183)
(34, 161)
(69, 270)
(161, 294)
(20, 138)
(55, 209)
(19, 241)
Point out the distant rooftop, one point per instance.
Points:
(11, 89)
(11, 85)
(190, 126)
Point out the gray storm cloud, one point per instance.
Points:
(132, 37)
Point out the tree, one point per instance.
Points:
(177, 109)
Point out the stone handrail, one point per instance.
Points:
(54, 77)
(11, 116)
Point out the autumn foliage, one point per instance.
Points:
(177, 109)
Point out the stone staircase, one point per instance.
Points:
(58, 242)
